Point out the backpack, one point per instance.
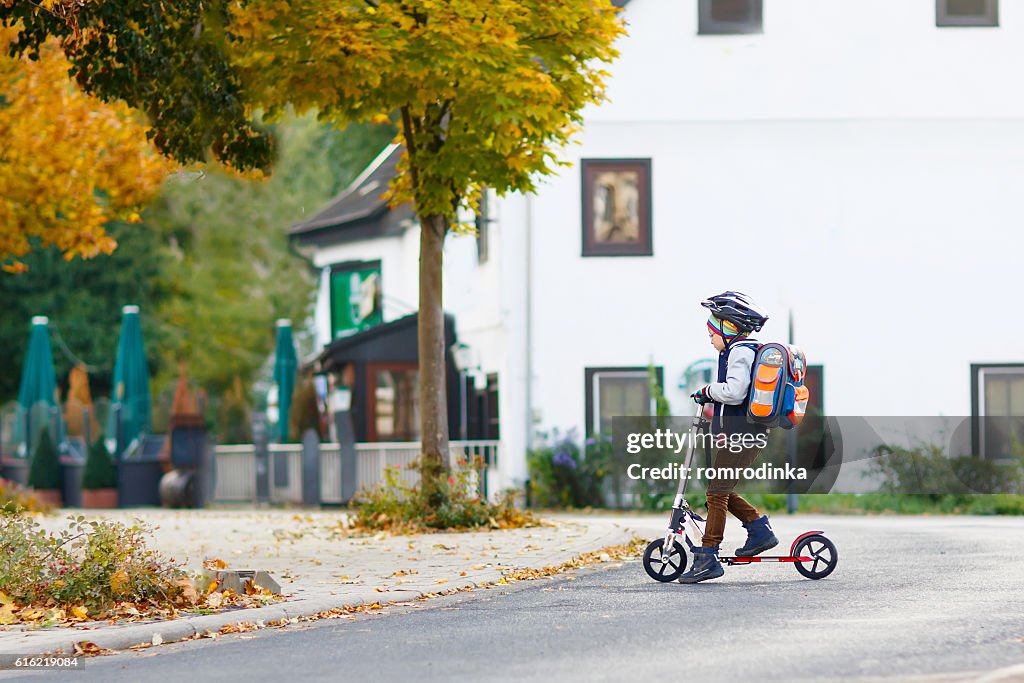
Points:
(778, 397)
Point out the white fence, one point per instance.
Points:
(236, 468)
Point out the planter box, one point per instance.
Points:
(138, 483)
(15, 470)
(99, 499)
(73, 470)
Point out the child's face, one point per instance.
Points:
(717, 341)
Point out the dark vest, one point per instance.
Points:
(733, 419)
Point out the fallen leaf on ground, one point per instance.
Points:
(118, 579)
(188, 591)
(87, 647)
(31, 614)
(402, 572)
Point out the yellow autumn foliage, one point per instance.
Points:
(69, 163)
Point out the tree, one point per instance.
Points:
(165, 59)
(211, 232)
(229, 271)
(69, 163)
(488, 91)
(100, 472)
(45, 471)
(83, 300)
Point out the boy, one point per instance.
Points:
(733, 317)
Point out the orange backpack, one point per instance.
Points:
(778, 397)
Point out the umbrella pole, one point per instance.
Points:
(28, 435)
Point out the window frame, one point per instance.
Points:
(977, 393)
(492, 418)
(590, 375)
(372, 368)
(706, 26)
(990, 19)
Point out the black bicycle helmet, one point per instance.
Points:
(737, 308)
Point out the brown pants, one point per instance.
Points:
(721, 497)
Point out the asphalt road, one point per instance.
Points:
(931, 599)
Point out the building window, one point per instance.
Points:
(616, 392)
(492, 429)
(723, 17)
(967, 12)
(355, 297)
(997, 409)
(617, 207)
(393, 402)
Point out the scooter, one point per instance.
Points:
(812, 554)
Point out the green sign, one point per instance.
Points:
(355, 299)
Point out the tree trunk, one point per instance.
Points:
(432, 376)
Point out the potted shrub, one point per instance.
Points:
(44, 474)
(99, 481)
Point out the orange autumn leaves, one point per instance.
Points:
(69, 163)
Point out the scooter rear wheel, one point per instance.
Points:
(664, 567)
(825, 555)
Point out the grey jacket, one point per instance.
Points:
(734, 390)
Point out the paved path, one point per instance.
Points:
(925, 599)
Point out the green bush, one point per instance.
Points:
(451, 504)
(234, 419)
(96, 564)
(911, 504)
(100, 470)
(45, 471)
(560, 475)
(929, 470)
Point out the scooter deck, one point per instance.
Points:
(765, 558)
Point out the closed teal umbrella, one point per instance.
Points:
(37, 394)
(285, 364)
(131, 381)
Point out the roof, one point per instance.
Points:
(390, 341)
(361, 200)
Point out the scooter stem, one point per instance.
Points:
(698, 418)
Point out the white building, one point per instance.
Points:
(860, 165)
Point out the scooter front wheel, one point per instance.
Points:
(823, 554)
(664, 566)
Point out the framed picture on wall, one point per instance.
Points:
(617, 207)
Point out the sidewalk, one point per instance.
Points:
(318, 567)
